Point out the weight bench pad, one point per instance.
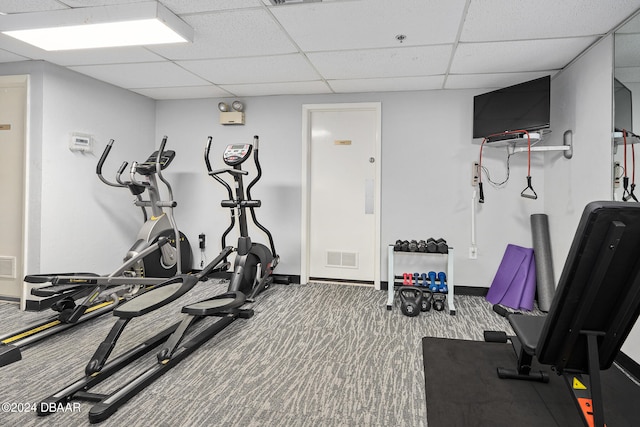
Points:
(527, 329)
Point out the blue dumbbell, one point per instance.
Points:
(442, 287)
(433, 287)
(425, 279)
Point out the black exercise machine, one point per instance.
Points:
(595, 306)
(155, 256)
(252, 274)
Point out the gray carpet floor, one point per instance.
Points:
(313, 355)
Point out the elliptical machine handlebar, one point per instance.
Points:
(103, 157)
(249, 202)
(231, 171)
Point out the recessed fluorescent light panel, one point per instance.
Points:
(135, 24)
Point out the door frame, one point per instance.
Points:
(22, 81)
(307, 109)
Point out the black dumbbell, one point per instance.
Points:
(431, 245)
(422, 246)
(405, 246)
(413, 246)
(398, 246)
(442, 246)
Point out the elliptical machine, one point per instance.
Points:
(155, 255)
(253, 267)
(254, 262)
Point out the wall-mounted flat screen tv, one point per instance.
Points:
(525, 106)
(622, 107)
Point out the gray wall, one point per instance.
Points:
(427, 153)
(74, 222)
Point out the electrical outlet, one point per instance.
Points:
(617, 169)
(473, 252)
(475, 174)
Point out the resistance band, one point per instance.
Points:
(626, 194)
(524, 193)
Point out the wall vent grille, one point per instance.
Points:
(342, 259)
(8, 267)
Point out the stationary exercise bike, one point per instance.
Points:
(155, 255)
(252, 274)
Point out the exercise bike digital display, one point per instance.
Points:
(235, 154)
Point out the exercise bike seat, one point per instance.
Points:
(157, 297)
(220, 304)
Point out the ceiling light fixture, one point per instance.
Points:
(134, 24)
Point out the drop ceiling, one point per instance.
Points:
(253, 48)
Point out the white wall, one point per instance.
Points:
(92, 224)
(581, 100)
(76, 223)
(427, 153)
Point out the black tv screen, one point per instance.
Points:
(525, 106)
(622, 107)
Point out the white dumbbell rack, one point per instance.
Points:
(393, 282)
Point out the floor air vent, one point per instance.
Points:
(342, 259)
(8, 267)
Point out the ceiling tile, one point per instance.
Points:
(492, 81)
(177, 6)
(494, 20)
(183, 92)
(517, 56)
(405, 62)
(247, 32)
(266, 89)
(263, 69)
(114, 55)
(144, 75)
(387, 84)
(194, 6)
(10, 57)
(370, 24)
(21, 6)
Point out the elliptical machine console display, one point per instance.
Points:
(236, 154)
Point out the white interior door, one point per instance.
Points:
(343, 194)
(13, 102)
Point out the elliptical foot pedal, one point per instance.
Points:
(9, 354)
(245, 314)
(220, 304)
